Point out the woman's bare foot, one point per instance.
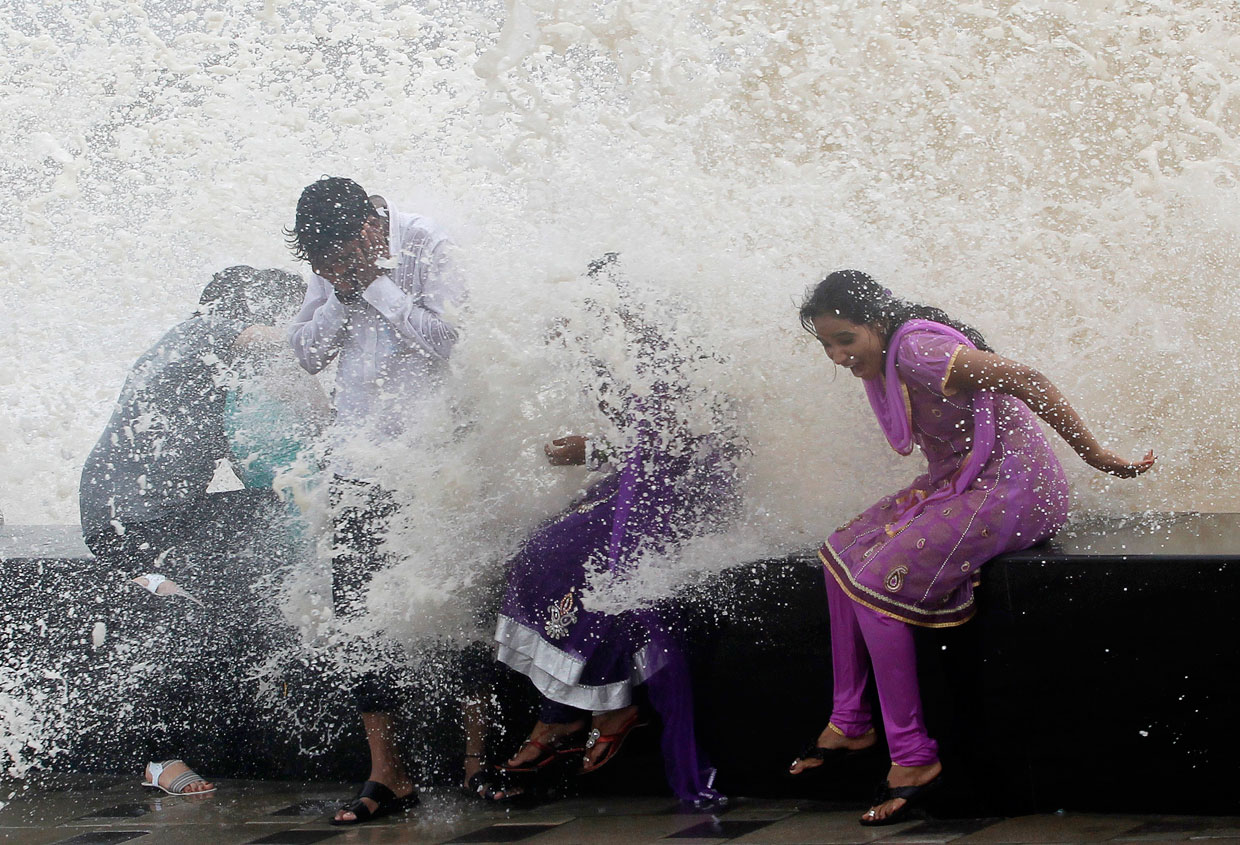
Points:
(607, 724)
(396, 780)
(903, 776)
(174, 771)
(543, 734)
(832, 738)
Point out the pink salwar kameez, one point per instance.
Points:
(993, 485)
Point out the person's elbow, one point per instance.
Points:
(438, 342)
(313, 366)
(1030, 386)
(447, 342)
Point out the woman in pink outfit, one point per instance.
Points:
(993, 485)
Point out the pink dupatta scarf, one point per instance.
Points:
(890, 400)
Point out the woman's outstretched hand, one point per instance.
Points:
(975, 369)
(1113, 464)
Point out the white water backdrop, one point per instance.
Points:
(1064, 175)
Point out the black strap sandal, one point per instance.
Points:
(479, 785)
(496, 786)
(914, 797)
(475, 785)
(381, 795)
(817, 752)
(814, 751)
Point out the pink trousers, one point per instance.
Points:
(861, 636)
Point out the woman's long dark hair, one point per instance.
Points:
(854, 296)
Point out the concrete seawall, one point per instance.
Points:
(1099, 674)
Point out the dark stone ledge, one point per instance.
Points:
(1099, 674)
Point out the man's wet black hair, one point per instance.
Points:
(253, 296)
(330, 212)
(854, 296)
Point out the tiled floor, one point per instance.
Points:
(94, 811)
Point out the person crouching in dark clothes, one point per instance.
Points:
(143, 498)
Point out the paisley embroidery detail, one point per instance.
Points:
(562, 614)
(895, 579)
(921, 544)
(964, 567)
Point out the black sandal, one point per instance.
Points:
(814, 751)
(914, 797)
(475, 785)
(481, 784)
(496, 786)
(381, 795)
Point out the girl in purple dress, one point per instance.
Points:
(993, 485)
(663, 481)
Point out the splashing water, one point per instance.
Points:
(1061, 175)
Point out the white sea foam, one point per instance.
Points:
(1062, 175)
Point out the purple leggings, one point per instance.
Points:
(858, 633)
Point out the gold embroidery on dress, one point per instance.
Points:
(589, 506)
(895, 579)
(562, 614)
(951, 362)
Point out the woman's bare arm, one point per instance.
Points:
(974, 369)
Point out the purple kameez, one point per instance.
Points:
(993, 486)
(669, 486)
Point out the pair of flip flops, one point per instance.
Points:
(385, 798)
(179, 784)
(915, 798)
(558, 759)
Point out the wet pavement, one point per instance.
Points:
(107, 810)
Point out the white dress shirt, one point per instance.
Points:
(393, 343)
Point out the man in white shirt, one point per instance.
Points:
(375, 304)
